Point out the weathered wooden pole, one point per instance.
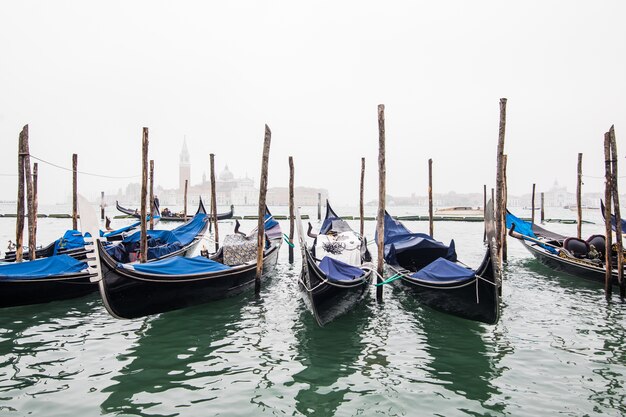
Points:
(608, 275)
(431, 227)
(261, 223)
(101, 205)
(503, 209)
(291, 209)
(484, 212)
(380, 227)
(74, 191)
(579, 207)
(319, 206)
(493, 199)
(185, 200)
(35, 199)
(30, 199)
(143, 245)
(19, 223)
(532, 206)
(214, 201)
(618, 216)
(151, 194)
(361, 199)
(542, 212)
(500, 177)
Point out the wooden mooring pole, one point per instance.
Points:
(579, 207)
(542, 213)
(484, 212)
(261, 223)
(500, 177)
(532, 206)
(319, 206)
(185, 200)
(19, 223)
(152, 194)
(361, 199)
(75, 191)
(431, 226)
(608, 276)
(214, 202)
(291, 209)
(35, 198)
(101, 205)
(30, 200)
(618, 215)
(380, 227)
(143, 245)
(503, 210)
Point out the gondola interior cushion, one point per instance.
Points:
(42, 268)
(177, 265)
(336, 270)
(599, 242)
(238, 249)
(444, 271)
(577, 247)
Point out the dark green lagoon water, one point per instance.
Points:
(558, 349)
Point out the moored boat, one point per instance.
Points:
(173, 217)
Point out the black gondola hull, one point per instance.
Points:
(36, 291)
(220, 216)
(568, 266)
(327, 301)
(128, 294)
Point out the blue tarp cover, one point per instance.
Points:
(399, 239)
(72, 239)
(120, 230)
(521, 226)
(178, 265)
(183, 234)
(336, 270)
(42, 268)
(444, 271)
(269, 221)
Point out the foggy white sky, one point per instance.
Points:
(87, 76)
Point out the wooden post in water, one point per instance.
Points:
(291, 209)
(185, 201)
(143, 245)
(618, 215)
(493, 199)
(503, 209)
(19, 222)
(579, 207)
(608, 288)
(261, 223)
(431, 227)
(214, 201)
(361, 198)
(35, 199)
(542, 213)
(319, 206)
(532, 206)
(74, 191)
(151, 194)
(484, 212)
(30, 199)
(101, 205)
(380, 227)
(500, 177)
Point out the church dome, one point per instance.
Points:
(226, 175)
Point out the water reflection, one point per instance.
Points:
(174, 352)
(327, 354)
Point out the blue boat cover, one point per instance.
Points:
(119, 231)
(269, 221)
(444, 272)
(72, 239)
(42, 268)
(399, 239)
(613, 220)
(521, 226)
(336, 270)
(177, 265)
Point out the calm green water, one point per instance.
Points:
(559, 349)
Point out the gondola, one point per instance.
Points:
(131, 291)
(61, 276)
(570, 255)
(220, 216)
(431, 271)
(334, 275)
(71, 243)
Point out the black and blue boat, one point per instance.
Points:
(430, 270)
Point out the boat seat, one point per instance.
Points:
(599, 242)
(577, 247)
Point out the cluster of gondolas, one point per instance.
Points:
(337, 272)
